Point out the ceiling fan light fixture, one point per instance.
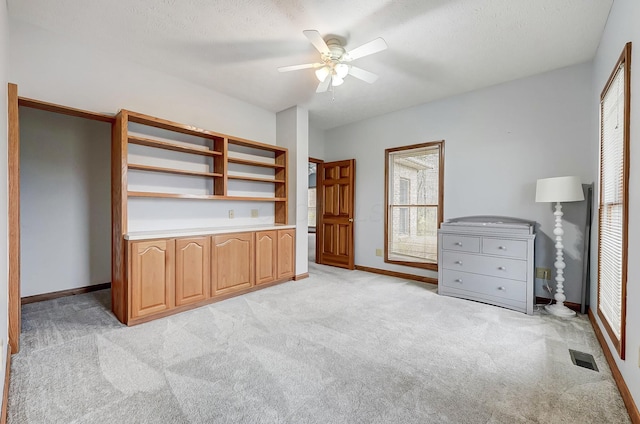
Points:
(323, 73)
(336, 80)
(342, 70)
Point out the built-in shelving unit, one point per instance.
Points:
(158, 158)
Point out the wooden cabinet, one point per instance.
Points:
(151, 277)
(192, 269)
(266, 254)
(286, 253)
(232, 267)
(170, 275)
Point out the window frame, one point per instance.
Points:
(387, 205)
(625, 62)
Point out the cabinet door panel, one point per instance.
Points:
(152, 277)
(266, 254)
(286, 253)
(192, 269)
(233, 261)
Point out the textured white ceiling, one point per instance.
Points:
(437, 48)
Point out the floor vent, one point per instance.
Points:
(583, 360)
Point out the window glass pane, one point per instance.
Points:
(413, 234)
(312, 207)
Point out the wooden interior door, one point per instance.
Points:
(14, 219)
(336, 213)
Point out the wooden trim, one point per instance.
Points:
(14, 217)
(209, 301)
(624, 60)
(440, 206)
(571, 305)
(316, 161)
(65, 110)
(119, 146)
(632, 408)
(63, 293)
(319, 200)
(300, 276)
(5, 394)
(413, 277)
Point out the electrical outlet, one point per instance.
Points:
(543, 273)
(231, 214)
(254, 213)
(378, 252)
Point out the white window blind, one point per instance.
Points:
(612, 229)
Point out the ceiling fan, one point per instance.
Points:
(334, 63)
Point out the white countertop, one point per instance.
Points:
(146, 235)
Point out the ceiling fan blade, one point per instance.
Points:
(366, 49)
(363, 75)
(296, 67)
(324, 85)
(317, 41)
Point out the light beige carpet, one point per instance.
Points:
(338, 347)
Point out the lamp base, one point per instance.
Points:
(560, 311)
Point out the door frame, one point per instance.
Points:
(13, 152)
(318, 163)
(319, 217)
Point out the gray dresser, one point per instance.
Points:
(488, 259)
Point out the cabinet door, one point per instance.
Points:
(192, 269)
(286, 253)
(151, 277)
(232, 264)
(266, 248)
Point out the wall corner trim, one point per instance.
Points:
(632, 409)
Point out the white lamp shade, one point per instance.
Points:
(336, 80)
(342, 70)
(559, 189)
(322, 73)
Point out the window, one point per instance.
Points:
(613, 204)
(413, 200)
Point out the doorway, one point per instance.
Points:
(315, 166)
(55, 179)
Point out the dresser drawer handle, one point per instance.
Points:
(502, 288)
(458, 262)
(502, 268)
(458, 243)
(458, 280)
(502, 247)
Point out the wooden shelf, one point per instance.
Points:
(165, 124)
(253, 163)
(256, 145)
(257, 179)
(172, 195)
(173, 170)
(203, 196)
(173, 146)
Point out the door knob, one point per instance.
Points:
(350, 219)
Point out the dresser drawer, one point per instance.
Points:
(486, 287)
(507, 248)
(512, 269)
(461, 243)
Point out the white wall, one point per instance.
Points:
(622, 27)
(498, 142)
(293, 133)
(316, 142)
(65, 202)
(53, 68)
(4, 270)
